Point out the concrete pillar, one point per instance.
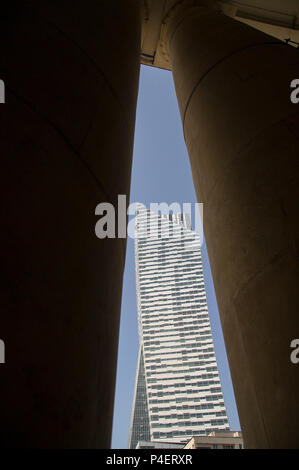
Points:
(242, 134)
(66, 131)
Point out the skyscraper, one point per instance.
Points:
(178, 391)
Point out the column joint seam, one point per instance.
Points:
(73, 150)
(62, 136)
(247, 144)
(95, 65)
(278, 43)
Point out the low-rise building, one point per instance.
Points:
(217, 440)
(159, 445)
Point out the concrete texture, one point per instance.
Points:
(242, 134)
(66, 134)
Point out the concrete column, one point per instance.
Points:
(242, 134)
(66, 131)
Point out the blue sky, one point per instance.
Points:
(161, 173)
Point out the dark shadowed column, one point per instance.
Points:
(242, 134)
(71, 74)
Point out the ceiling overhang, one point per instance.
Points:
(278, 18)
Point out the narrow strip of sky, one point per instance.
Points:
(161, 173)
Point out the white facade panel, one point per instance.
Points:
(184, 394)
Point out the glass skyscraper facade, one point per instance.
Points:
(140, 429)
(177, 382)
